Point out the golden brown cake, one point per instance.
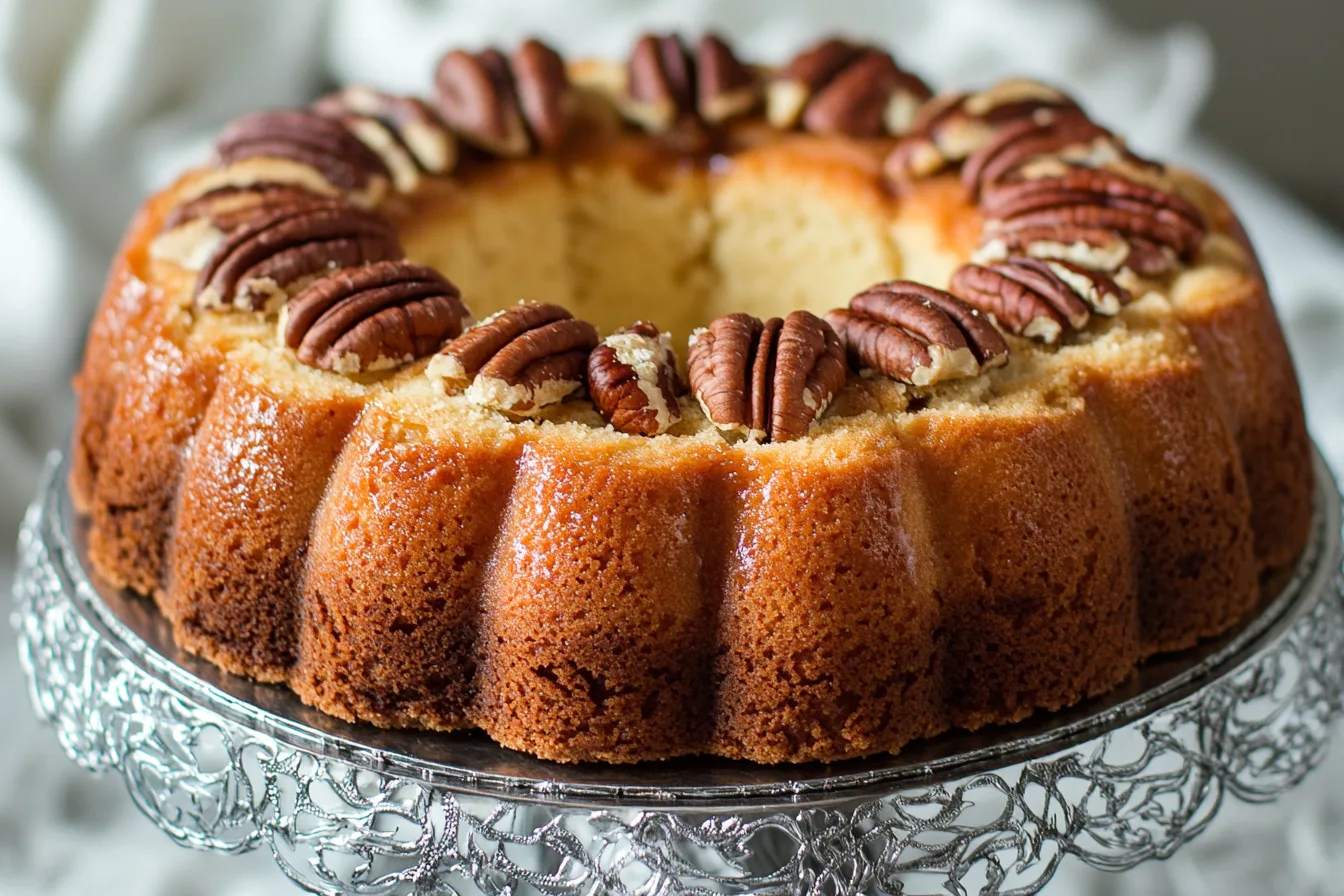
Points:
(835, 414)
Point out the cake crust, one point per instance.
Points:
(923, 558)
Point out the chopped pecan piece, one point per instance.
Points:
(632, 377)
(321, 143)
(373, 317)
(404, 131)
(510, 107)
(838, 87)
(1036, 298)
(917, 334)
(769, 380)
(520, 359)
(257, 262)
(669, 89)
(950, 128)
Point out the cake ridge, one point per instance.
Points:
(107, 355)
(325, 580)
(1152, 473)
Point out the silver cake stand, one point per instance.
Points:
(223, 764)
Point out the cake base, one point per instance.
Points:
(224, 763)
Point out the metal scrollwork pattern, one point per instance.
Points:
(1138, 791)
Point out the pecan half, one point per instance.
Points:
(1047, 133)
(1149, 259)
(632, 378)
(769, 380)
(660, 83)
(1013, 99)
(1038, 299)
(1101, 292)
(951, 127)
(229, 206)
(669, 89)
(1128, 222)
(373, 317)
(838, 87)
(510, 107)
(520, 359)
(917, 334)
(1083, 184)
(1101, 200)
(725, 87)
(193, 231)
(256, 263)
(404, 131)
(320, 142)
(542, 84)
(1101, 250)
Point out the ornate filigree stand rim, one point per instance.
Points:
(1113, 786)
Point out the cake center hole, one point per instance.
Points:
(769, 235)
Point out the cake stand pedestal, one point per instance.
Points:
(224, 764)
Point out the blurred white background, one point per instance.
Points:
(103, 100)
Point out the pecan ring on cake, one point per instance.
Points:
(955, 409)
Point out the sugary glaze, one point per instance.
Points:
(922, 559)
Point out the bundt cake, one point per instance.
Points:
(687, 406)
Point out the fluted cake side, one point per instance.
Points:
(914, 558)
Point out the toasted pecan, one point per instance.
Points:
(768, 380)
(373, 317)
(669, 88)
(521, 359)
(509, 106)
(633, 381)
(405, 132)
(917, 334)
(1036, 298)
(839, 87)
(320, 142)
(257, 262)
